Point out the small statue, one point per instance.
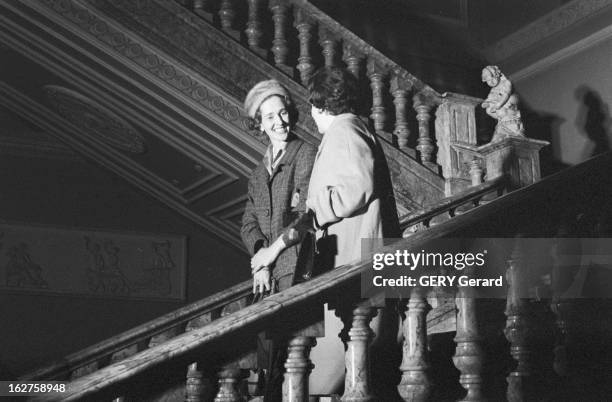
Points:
(502, 105)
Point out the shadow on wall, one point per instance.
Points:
(593, 121)
(544, 126)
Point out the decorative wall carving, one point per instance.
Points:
(47, 259)
(94, 118)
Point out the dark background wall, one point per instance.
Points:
(36, 329)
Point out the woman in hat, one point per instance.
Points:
(277, 190)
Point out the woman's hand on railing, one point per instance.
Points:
(261, 280)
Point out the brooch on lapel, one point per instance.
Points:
(295, 199)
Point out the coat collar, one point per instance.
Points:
(287, 158)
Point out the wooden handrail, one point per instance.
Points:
(61, 368)
(313, 290)
(447, 204)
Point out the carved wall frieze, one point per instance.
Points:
(553, 23)
(94, 118)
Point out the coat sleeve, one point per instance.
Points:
(296, 230)
(349, 171)
(251, 233)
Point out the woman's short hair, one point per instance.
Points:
(334, 90)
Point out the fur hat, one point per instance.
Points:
(260, 92)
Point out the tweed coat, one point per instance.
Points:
(346, 192)
(276, 203)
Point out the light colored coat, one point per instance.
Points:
(342, 190)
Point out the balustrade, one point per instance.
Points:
(357, 387)
(254, 30)
(415, 385)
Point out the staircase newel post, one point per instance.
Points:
(415, 385)
(357, 387)
(400, 90)
(425, 144)
(469, 357)
(304, 27)
(376, 75)
(279, 43)
(298, 366)
(517, 329)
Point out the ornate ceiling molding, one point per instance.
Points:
(572, 13)
(36, 148)
(107, 156)
(94, 118)
(153, 72)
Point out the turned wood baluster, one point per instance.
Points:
(194, 387)
(279, 43)
(227, 15)
(475, 172)
(304, 27)
(376, 76)
(517, 331)
(298, 366)
(202, 8)
(415, 384)
(400, 99)
(352, 58)
(229, 377)
(254, 30)
(425, 144)
(328, 44)
(468, 354)
(357, 358)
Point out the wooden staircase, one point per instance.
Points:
(199, 58)
(216, 335)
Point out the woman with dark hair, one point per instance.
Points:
(343, 192)
(352, 199)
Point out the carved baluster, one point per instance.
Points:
(399, 90)
(298, 366)
(517, 331)
(328, 44)
(425, 144)
(376, 76)
(357, 359)
(304, 26)
(254, 30)
(194, 387)
(352, 58)
(475, 172)
(279, 43)
(415, 384)
(227, 15)
(468, 354)
(202, 8)
(229, 377)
